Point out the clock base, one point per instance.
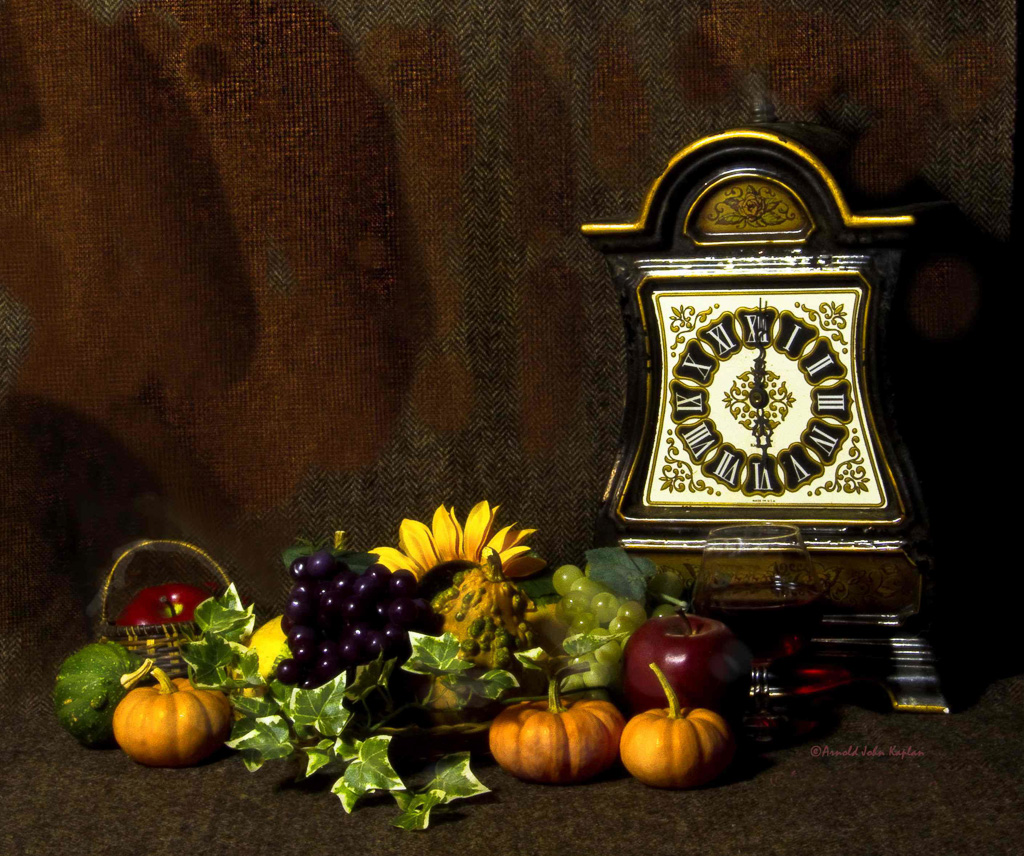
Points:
(901, 664)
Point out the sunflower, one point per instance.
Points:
(420, 549)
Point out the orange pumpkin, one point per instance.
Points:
(556, 743)
(172, 724)
(676, 748)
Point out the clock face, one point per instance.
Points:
(761, 399)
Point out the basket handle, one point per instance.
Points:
(172, 546)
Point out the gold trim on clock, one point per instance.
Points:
(888, 485)
(850, 220)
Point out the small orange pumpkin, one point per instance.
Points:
(171, 724)
(676, 748)
(556, 743)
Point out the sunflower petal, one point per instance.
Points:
(522, 564)
(446, 537)
(396, 560)
(509, 537)
(416, 541)
(478, 529)
(458, 532)
(499, 539)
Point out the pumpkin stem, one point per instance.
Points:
(670, 694)
(130, 679)
(554, 698)
(166, 685)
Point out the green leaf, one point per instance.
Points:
(540, 589)
(371, 771)
(454, 779)
(249, 664)
(416, 808)
(585, 643)
(281, 693)
(368, 677)
(435, 655)
(346, 748)
(230, 600)
(624, 574)
(358, 562)
(208, 661)
(297, 551)
(321, 709)
(318, 756)
(224, 617)
(254, 707)
(535, 658)
(266, 738)
(488, 685)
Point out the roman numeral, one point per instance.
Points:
(699, 438)
(798, 467)
(761, 476)
(721, 336)
(757, 326)
(726, 466)
(696, 364)
(825, 439)
(687, 402)
(821, 363)
(793, 335)
(832, 401)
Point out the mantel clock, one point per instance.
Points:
(755, 305)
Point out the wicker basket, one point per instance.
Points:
(161, 642)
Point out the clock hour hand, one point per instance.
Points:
(758, 396)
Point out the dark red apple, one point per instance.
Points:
(163, 605)
(704, 662)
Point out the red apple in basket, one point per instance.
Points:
(163, 604)
(703, 660)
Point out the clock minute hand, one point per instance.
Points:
(758, 398)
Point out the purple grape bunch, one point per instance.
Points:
(337, 619)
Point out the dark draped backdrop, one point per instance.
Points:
(278, 267)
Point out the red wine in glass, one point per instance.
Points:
(774, 619)
(759, 581)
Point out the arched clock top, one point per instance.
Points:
(748, 186)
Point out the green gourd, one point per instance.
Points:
(90, 684)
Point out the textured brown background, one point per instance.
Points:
(273, 268)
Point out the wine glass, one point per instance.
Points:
(759, 581)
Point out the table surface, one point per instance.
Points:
(958, 789)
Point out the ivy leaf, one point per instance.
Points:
(208, 661)
(416, 808)
(266, 738)
(249, 664)
(535, 658)
(371, 771)
(225, 617)
(254, 707)
(230, 600)
(624, 574)
(368, 677)
(488, 685)
(454, 779)
(281, 693)
(435, 655)
(585, 643)
(321, 709)
(318, 756)
(347, 749)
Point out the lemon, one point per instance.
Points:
(270, 643)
